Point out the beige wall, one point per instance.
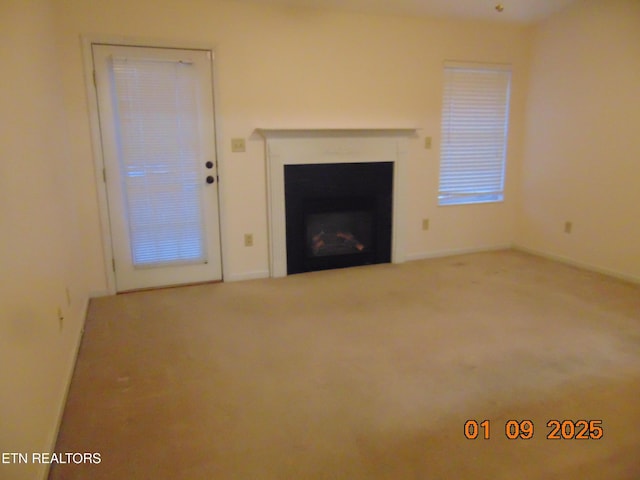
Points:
(40, 252)
(582, 160)
(280, 67)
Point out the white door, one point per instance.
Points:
(157, 127)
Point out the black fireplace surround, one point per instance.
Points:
(338, 215)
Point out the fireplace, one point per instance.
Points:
(338, 215)
(331, 216)
(339, 232)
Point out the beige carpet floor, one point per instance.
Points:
(365, 373)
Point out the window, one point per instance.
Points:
(156, 106)
(475, 117)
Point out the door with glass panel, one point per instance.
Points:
(157, 128)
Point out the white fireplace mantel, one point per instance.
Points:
(317, 146)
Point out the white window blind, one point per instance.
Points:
(475, 117)
(157, 134)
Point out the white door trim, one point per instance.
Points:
(97, 149)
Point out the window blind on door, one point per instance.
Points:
(475, 117)
(156, 106)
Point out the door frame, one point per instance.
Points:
(97, 150)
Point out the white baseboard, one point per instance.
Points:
(576, 263)
(71, 369)
(99, 293)
(462, 251)
(238, 277)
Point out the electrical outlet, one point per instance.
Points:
(427, 142)
(60, 318)
(238, 145)
(248, 239)
(568, 226)
(425, 224)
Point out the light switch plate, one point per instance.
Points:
(238, 145)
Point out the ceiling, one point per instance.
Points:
(522, 11)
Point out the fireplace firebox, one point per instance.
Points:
(338, 215)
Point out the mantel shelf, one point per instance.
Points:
(334, 132)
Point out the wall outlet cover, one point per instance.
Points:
(568, 227)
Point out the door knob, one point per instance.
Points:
(210, 179)
(209, 164)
